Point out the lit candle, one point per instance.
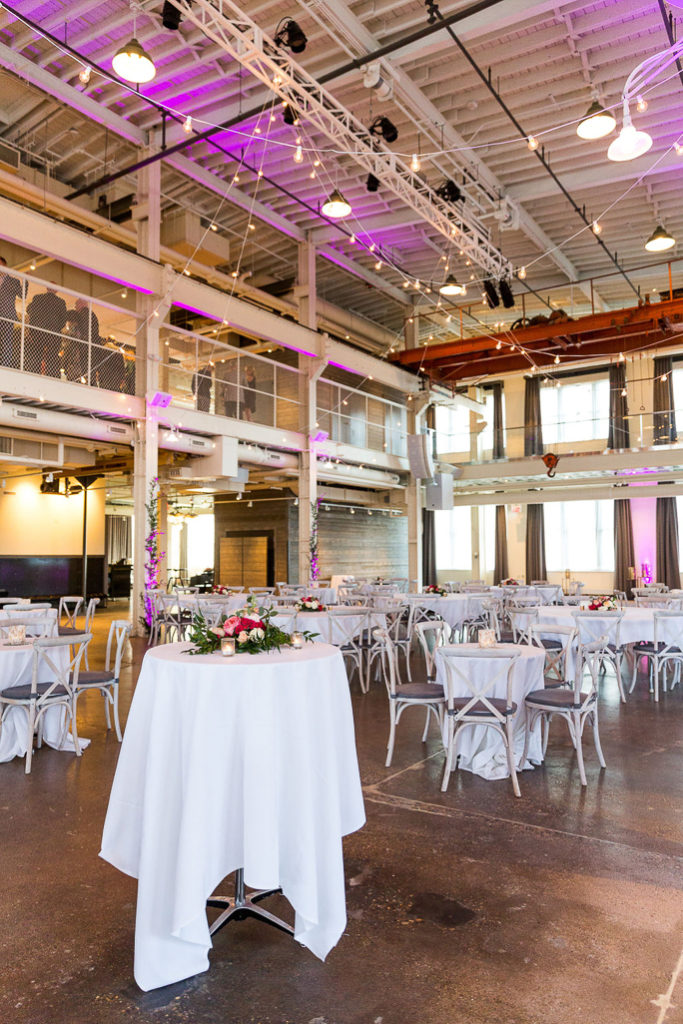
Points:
(16, 634)
(487, 638)
(228, 647)
(297, 640)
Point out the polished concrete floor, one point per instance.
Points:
(469, 907)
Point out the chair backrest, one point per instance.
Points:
(526, 600)
(34, 626)
(594, 626)
(589, 656)
(477, 583)
(60, 671)
(69, 608)
(539, 583)
(556, 660)
(473, 672)
(389, 659)
(261, 590)
(342, 626)
(668, 629)
(119, 631)
(658, 588)
(654, 600)
(520, 619)
(432, 634)
(9, 600)
(90, 614)
(575, 588)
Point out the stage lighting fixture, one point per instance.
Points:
(170, 17)
(372, 184)
(491, 294)
(384, 127)
(449, 191)
(290, 115)
(506, 294)
(290, 34)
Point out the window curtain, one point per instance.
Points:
(428, 524)
(498, 436)
(618, 436)
(624, 552)
(668, 570)
(500, 569)
(664, 418)
(535, 543)
(533, 430)
(117, 539)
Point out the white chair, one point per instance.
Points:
(576, 706)
(173, 619)
(432, 635)
(558, 643)
(106, 680)
(374, 648)
(520, 619)
(655, 599)
(34, 625)
(426, 695)
(340, 627)
(478, 708)
(153, 605)
(604, 627)
(58, 690)
(87, 625)
(573, 595)
(69, 608)
(264, 591)
(665, 649)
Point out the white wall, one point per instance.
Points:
(32, 523)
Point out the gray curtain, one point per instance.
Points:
(533, 430)
(535, 543)
(664, 418)
(498, 435)
(428, 547)
(500, 569)
(117, 539)
(618, 409)
(668, 570)
(624, 552)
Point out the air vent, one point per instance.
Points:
(5, 445)
(118, 431)
(197, 442)
(24, 414)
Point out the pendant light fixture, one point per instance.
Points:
(335, 206)
(660, 240)
(629, 143)
(451, 287)
(131, 62)
(597, 122)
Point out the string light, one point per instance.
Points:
(532, 143)
(213, 227)
(641, 105)
(298, 155)
(415, 164)
(187, 125)
(522, 273)
(84, 75)
(596, 227)
(557, 360)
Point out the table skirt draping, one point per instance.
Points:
(481, 750)
(246, 763)
(637, 624)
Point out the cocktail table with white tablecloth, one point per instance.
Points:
(226, 763)
(481, 750)
(636, 625)
(453, 608)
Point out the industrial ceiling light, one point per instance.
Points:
(372, 184)
(134, 64)
(336, 206)
(597, 122)
(385, 128)
(629, 143)
(506, 294)
(491, 294)
(449, 191)
(660, 240)
(451, 287)
(290, 34)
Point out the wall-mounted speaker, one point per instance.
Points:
(439, 493)
(420, 456)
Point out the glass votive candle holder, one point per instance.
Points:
(487, 638)
(16, 634)
(297, 640)
(228, 647)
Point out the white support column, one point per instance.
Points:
(411, 328)
(308, 475)
(145, 469)
(414, 499)
(305, 290)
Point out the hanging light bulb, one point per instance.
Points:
(597, 123)
(84, 75)
(596, 227)
(336, 206)
(629, 143)
(352, 239)
(451, 287)
(641, 104)
(660, 240)
(521, 273)
(298, 155)
(557, 360)
(187, 125)
(532, 143)
(132, 63)
(415, 164)
(378, 265)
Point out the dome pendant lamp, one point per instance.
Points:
(660, 240)
(451, 287)
(597, 122)
(629, 143)
(134, 64)
(335, 206)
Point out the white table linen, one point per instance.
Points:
(226, 763)
(453, 608)
(16, 668)
(319, 622)
(482, 750)
(637, 624)
(25, 612)
(326, 595)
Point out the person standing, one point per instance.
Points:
(11, 289)
(47, 315)
(201, 388)
(249, 393)
(85, 333)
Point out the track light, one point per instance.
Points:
(597, 123)
(336, 206)
(449, 191)
(660, 240)
(629, 143)
(451, 287)
(290, 34)
(372, 184)
(491, 294)
(506, 294)
(170, 16)
(385, 128)
(134, 64)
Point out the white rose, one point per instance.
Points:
(257, 633)
(242, 637)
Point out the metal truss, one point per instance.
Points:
(242, 39)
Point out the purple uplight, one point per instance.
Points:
(349, 369)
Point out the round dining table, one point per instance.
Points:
(452, 608)
(246, 762)
(334, 629)
(637, 624)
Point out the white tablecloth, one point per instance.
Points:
(248, 762)
(26, 612)
(636, 625)
(545, 595)
(326, 595)
(453, 608)
(319, 622)
(481, 750)
(16, 666)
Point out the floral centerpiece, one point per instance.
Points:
(310, 604)
(436, 590)
(509, 582)
(251, 627)
(223, 591)
(603, 604)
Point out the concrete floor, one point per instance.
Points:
(468, 907)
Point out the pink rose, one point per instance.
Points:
(217, 631)
(231, 624)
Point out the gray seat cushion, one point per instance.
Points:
(481, 709)
(23, 692)
(88, 678)
(550, 644)
(419, 691)
(560, 699)
(69, 631)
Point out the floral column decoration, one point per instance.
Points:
(314, 568)
(154, 555)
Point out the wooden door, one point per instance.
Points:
(245, 560)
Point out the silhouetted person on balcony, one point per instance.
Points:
(201, 388)
(47, 316)
(85, 328)
(249, 393)
(11, 289)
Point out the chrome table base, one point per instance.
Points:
(240, 906)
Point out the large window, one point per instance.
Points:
(452, 429)
(454, 539)
(575, 412)
(579, 535)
